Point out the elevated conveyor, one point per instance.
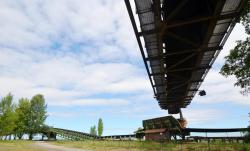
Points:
(72, 135)
(182, 39)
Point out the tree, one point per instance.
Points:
(93, 130)
(238, 61)
(100, 127)
(8, 116)
(22, 112)
(37, 115)
(26, 117)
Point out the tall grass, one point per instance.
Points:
(153, 146)
(93, 145)
(118, 145)
(18, 146)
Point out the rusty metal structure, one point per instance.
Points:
(161, 128)
(168, 127)
(182, 39)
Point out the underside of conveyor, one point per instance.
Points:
(180, 41)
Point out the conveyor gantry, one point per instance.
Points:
(182, 39)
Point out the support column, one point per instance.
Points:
(181, 116)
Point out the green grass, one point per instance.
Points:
(117, 145)
(17, 146)
(217, 146)
(152, 146)
(126, 146)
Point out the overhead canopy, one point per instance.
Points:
(182, 40)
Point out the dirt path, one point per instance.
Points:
(51, 147)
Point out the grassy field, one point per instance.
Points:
(18, 146)
(126, 146)
(152, 146)
(116, 145)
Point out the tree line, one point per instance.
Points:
(25, 117)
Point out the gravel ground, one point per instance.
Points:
(51, 147)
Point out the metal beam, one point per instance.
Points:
(188, 90)
(183, 84)
(181, 61)
(132, 19)
(144, 11)
(178, 52)
(180, 69)
(193, 90)
(197, 19)
(168, 25)
(183, 39)
(216, 130)
(189, 68)
(178, 76)
(193, 50)
(176, 82)
(177, 86)
(161, 85)
(177, 9)
(158, 22)
(157, 74)
(195, 81)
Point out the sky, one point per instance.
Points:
(83, 57)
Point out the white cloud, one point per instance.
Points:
(39, 24)
(237, 34)
(90, 102)
(67, 50)
(63, 114)
(66, 78)
(199, 116)
(220, 89)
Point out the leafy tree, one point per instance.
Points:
(238, 64)
(100, 127)
(26, 117)
(22, 112)
(8, 116)
(93, 130)
(37, 115)
(238, 61)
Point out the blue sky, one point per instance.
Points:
(83, 57)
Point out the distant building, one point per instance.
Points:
(163, 128)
